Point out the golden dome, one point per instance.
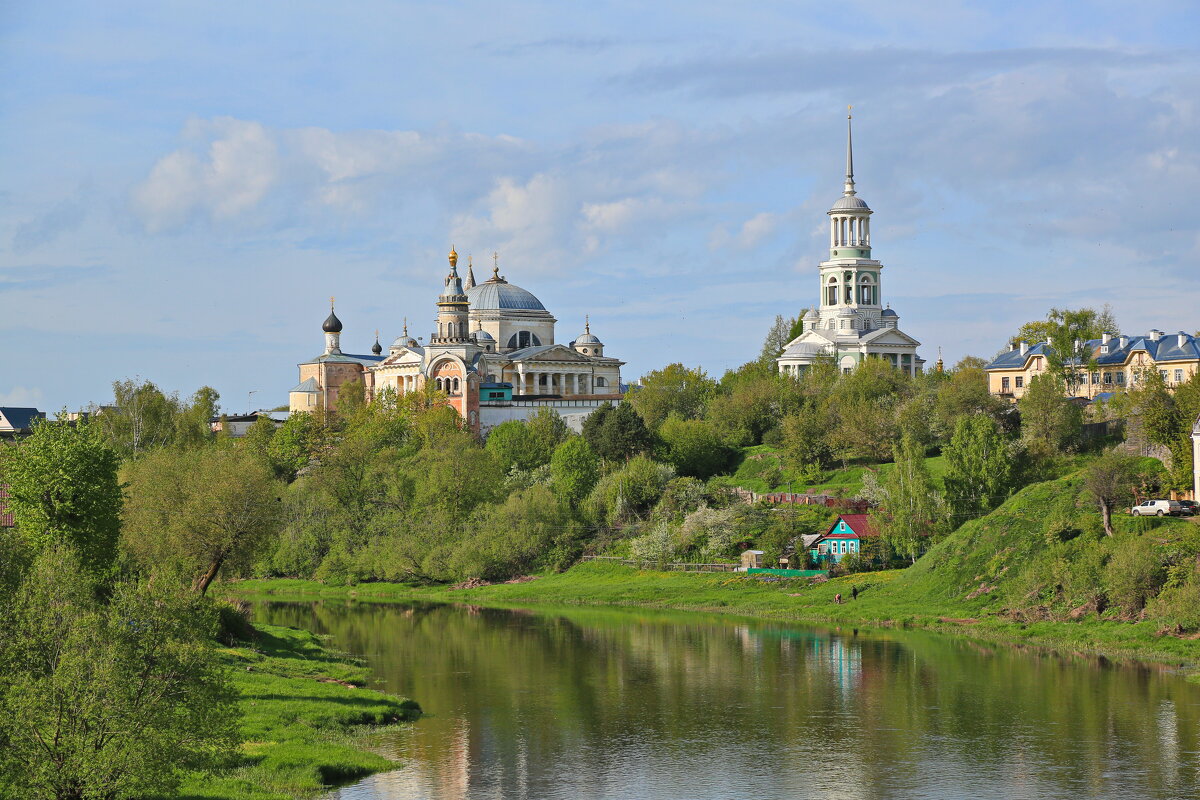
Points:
(453, 257)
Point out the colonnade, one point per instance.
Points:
(850, 232)
(546, 382)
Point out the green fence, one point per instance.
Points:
(787, 573)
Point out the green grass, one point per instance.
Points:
(1000, 577)
(303, 707)
(762, 469)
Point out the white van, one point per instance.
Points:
(1157, 508)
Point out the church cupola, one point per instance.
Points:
(377, 348)
(850, 217)
(333, 332)
(453, 307)
(588, 343)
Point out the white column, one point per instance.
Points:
(832, 231)
(520, 379)
(574, 383)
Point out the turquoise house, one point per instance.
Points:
(844, 537)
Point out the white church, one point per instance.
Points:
(852, 323)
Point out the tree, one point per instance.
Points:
(548, 430)
(141, 418)
(1110, 480)
(630, 491)
(910, 510)
(111, 700)
(777, 338)
(693, 447)
(617, 433)
(193, 422)
(804, 438)
(574, 469)
(1066, 331)
(978, 467)
(293, 445)
(192, 512)
(63, 488)
(1050, 423)
(674, 389)
(512, 444)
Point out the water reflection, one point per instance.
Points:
(603, 704)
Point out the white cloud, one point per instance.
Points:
(231, 178)
(22, 397)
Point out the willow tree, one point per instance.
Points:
(910, 510)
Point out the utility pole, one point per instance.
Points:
(249, 407)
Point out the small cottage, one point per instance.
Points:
(844, 537)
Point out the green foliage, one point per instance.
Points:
(1133, 575)
(693, 447)
(910, 512)
(1110, 480)
(1051, 425)
(617, 433)
(1062, 328)
(143, 417)
(62, 482)
(527, 445)
(292, 446)
(978, 467)
(674, 389)
(574, 470)
(106, 700)
(192, 512)
(628, 492)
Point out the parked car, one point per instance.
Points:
(1157, 508)
(1189, 507)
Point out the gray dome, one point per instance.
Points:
(332, 324)
(404, 341)
(811, 314)
(887, 312)
(850, 203)
(482, 336)
(844, 311)
(499, 295)
(802, 349)
(587, 338)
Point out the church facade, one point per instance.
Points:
(851, 322)
(493, 355)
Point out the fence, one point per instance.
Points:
(679, 566)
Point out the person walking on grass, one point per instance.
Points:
(853, 592)
(837, 598)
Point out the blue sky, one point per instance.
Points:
(183, 185)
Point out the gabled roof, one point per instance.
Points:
(347, 358)
(545, 351)
(1015, 359)
(19, 419)
(1166, 349)
(859, 523)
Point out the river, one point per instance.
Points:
(655, 706)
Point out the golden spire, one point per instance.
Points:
(453, 257)
(331, 302)
(406, 326)
(495, 265)
(940, 366)
(587, 324)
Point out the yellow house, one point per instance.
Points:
(1114, 363)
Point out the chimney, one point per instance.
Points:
(1155, 334)
(1181, 339)
(1123, 342)
(1105, 337)
(1024, 347)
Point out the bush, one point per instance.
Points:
(1133, 575)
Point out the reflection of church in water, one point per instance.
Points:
(493, 355)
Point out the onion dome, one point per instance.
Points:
(332, 324)
(377, 348)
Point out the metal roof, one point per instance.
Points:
(1165, 350)
(20, 418)
(497, 295)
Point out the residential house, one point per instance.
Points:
(844, 537)
(18, 420)
(1109, 364)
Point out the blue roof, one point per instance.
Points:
(496, 294)
(1166, 349)
(21, 418)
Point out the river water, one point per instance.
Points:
(622, 704)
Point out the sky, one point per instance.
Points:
(184, 185)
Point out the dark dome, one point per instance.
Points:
(377, 348)
(332, 324)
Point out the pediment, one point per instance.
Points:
(891, 336)
(555, 352)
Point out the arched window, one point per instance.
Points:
(439, 384)
(831, 293)
(866, 291)
(456, 384)
(523, 339)
(601, 382)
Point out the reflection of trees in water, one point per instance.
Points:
(522, 699)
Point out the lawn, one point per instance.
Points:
(304, 708)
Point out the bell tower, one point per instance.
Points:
(453, 308)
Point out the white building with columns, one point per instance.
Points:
(493, 355)
(850, 323)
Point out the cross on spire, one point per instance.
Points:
(849, 152)
(495, 265)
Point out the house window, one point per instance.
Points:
(1163, 373)
(601, 382)
(1095, 377)
(1004, 384)
(1179, 376)
(1120, 378)
(1108, 379)
(1020, 381)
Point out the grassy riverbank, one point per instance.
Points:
(303, 707)
(1037, 570)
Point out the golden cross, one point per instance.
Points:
(377, 334)
(331, 301)
(848, 110)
